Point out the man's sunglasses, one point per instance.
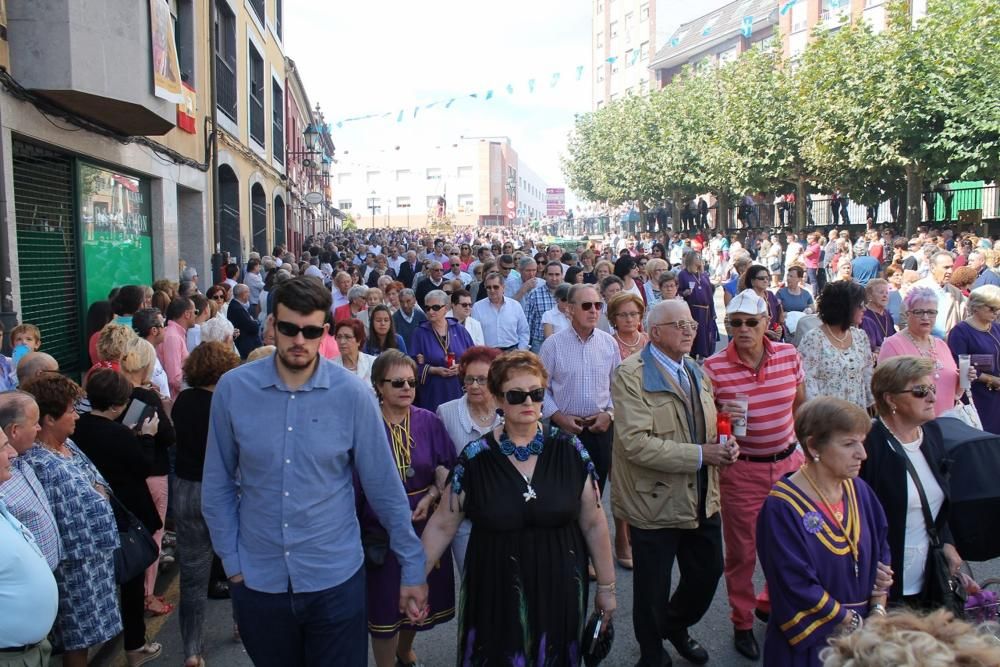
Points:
(309, 332)
(919, 390)
(590, 305)
(738, 323)
(436, 307)
(516, 396)
(399, 383)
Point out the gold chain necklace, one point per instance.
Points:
(402, 446)
(837, 519)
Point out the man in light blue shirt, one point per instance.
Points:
(504, 324)
(29, 599)
(287, 435)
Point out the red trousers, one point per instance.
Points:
(743, 487)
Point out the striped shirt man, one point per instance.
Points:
(771, 391)
(580, 372)
(26, 500)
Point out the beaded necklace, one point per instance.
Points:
(402, 446)
(507, 447)
(926, 354)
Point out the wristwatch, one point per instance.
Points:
(879, 609)
(856, 622)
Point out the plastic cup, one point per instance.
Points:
(691, 285)
(964, 361)
(738, 405)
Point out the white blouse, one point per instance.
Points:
(460, 424)
(917, 543)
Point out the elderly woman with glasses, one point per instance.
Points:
(625, 312)
(979, 335)
(423, 455)
(921, 309)
(437, 345)
(532, 498)
(469, 418)
(350, 338)
(905, 449)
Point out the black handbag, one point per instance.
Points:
(376, 546)
(137, 550)
(595, 643)
(942, 590)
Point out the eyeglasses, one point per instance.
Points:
(219, 297)
(587, 306)
(990, 308)
(506, 268)
(399, 383)
(517, 396)
(924, 313)
(470, 380)
(436, 307)
(492, 288)
(344, 337)
(919, 390)
(465, 304)
(762, 276)
(738, 323)
(680, 325)
(309, 332)
(631, 315)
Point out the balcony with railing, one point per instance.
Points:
(226, 92)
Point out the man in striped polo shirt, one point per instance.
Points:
(769, 375)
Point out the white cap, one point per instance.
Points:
(313, 271)
(747, 302)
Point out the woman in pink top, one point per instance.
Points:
(921, 308)
(811, 257)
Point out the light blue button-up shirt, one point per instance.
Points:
(277, 489)
(28, 596)
(505, 326)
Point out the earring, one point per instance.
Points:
(894, 411)
(816, 458)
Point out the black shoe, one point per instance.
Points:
(764, 616)
(218, 590)
(746, 644)
(689, 649)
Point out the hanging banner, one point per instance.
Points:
(166, 69)
(187, 110)
(555, 202)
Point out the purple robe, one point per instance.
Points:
(432, 447)
(434, 390)
(702, 304)
(878, 327)
(810, 571)
(966, 339)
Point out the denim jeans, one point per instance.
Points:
(328, 627)
(194, 555)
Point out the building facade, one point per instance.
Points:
(716, 38)
(250, 107)
(104, 182)
(473, 181)
(805, 16)
(623, 42)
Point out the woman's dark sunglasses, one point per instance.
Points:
(436, 307)
(919, 390)
(309, 332)
(516, 396)
(400, 383)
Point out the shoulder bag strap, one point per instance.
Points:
(924, 505)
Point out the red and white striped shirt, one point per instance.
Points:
(771, 391)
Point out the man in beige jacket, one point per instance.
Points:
(665, 484)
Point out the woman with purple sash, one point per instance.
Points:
(979, 335)
(822, 538)
(699, 292)
(424, 456)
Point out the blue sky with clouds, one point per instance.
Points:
(359, 58)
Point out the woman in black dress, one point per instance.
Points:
(536, 519)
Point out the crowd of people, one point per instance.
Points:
(336, 437)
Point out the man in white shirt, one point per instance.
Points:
(504, 324)
(253, 280)
(395, 259)
(341, 285)
(456, 272)
(461, 310)
(150, 324)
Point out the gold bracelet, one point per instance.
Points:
(610, 588)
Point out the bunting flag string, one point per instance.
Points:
(554, 79)
(788, 5)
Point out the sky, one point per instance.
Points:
(369, 57)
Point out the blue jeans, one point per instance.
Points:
(328, 627)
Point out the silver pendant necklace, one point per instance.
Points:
(530, 493)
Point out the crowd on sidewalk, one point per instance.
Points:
(339, 433)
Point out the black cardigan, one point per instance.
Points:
(885, 471)
(124, 459)
(165, 436)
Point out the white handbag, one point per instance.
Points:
(965, 412)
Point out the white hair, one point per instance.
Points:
(216, 329)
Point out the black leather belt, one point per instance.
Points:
(508, 349)
(770, 458)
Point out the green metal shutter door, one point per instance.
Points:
(47, 240)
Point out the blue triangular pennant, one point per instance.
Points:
(555, 80)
